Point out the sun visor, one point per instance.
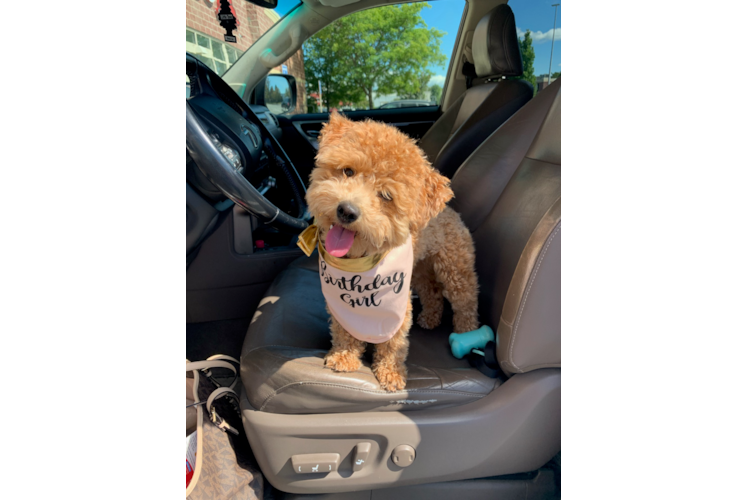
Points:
(337, 3)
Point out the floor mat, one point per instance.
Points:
(216, 337)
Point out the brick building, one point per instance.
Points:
(205, 39)
(543, 81)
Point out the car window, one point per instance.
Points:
(387, 57)
(539, 36)
(220, 31)
(218, 56)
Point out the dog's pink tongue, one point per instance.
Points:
(338, 241)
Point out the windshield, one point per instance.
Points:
(220, 31)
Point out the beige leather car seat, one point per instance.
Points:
(459, 423)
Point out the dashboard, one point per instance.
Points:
(268, 119)
(244, 134)
(263, 113)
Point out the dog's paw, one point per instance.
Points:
(390, 379)
(465, 323)
(344, 361)
(429, 320)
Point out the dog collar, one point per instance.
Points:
(309, 239)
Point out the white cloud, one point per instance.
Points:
(540, 37)
(437, 79)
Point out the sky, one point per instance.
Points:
(445, 15)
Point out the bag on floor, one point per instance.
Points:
(224, 467)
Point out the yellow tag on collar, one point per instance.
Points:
(308, 239)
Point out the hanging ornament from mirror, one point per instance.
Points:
(227, 19)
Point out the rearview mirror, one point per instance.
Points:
(268, 4)
(277, 93)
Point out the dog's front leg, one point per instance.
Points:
(345, 355)
(389, 357)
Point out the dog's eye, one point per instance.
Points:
(385, 196)
(348, 172)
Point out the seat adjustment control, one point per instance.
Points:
(315, 463)
(361, 455)
(403, 455)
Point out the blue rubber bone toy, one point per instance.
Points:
(463, 343)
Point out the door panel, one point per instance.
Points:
(228, 277)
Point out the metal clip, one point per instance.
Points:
(221, 423)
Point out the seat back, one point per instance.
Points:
(489, 103)
(509, 194)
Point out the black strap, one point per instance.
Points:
(487, 364)
(468, 69)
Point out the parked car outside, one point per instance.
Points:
(406, 103)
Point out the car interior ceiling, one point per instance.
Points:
(501, 148)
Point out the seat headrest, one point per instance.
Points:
(495, 46)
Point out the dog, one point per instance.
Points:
(378, 202)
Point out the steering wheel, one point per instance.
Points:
(225, 139)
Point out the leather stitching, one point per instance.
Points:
(365, 370)
(392, 394)
(513, 64)
(488, 44)
(264, 346)
(505, 43)
(527, 294)
(298, 360)
(555, 364)
(435, 377)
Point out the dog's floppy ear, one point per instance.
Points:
(334, 128)
(435, 193)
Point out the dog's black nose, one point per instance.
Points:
(347, 212)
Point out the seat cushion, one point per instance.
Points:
(282, 365)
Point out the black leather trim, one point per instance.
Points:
(469, 121)
(433, 140)
(506, 98)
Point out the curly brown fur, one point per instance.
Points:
(398, 194)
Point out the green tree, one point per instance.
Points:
(423, 86)
(436, 92)
(273, 95)
(528, 59)
(383, 50)
(557, 74)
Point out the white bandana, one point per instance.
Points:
(370, 305)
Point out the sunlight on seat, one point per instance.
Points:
(264, 301)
